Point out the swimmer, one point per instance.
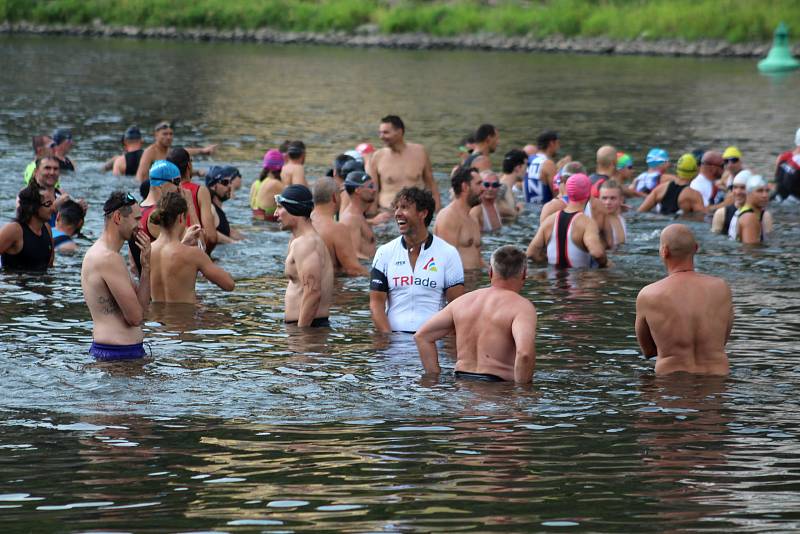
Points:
(219, 182)
(347, 167)
(69, 222)
(26, 243)
(399, 164)
(41, 148)
(174, 264)
(669, 197)
(293, 171)
(360, 188)
(568, 237)
(413, 274)
(47, 176)
(199, 198)
(721, 222)
(127, 164)
(685, 319)
(751, 225)
(268, 184)
(308, 263)
(335, 234)
(538, 182)
(162, 142)
(514, 168)
(606, 161)
(60, 146)
(732, 160)
(495, 327)
(486, 214)
(623, 170)
(657, 166)
(787, 172)
(705, 183)
(454, 224)
(116, 303)
(486, 138)
(611, 197)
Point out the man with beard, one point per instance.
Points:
(218, 182)
(486, 139)
(454, 224)
(26, 243)
(360, 189)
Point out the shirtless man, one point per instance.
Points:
(514, 167)
(487, 214)
(127, 164)
(308, 263)
(335, 234)
(569, 238)
(751, 225)
(175, 264)
(611, 197)
(454, 225)
(161, 145)
(116, 303)
(293, 171)
(669, 197)
(400, 164)
(495, 327)
(486, 138)
(684, 319)
(360, 189)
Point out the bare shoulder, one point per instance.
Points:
(417, 148)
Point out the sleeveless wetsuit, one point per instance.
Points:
(733, 233)
(65, 164)
(669, 203)
(487, 224)
(35, 253)
(132, 160)
(194, 188)
(561, 250)
(224, 226)
(536, 190)
(730, 214)
(597, 182)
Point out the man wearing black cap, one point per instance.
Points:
(308, 264)
(61, 145)
(218, 182)
(360, 188)
(128, 163)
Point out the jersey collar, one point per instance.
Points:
(428, 241)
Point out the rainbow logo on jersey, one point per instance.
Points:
(430, 265)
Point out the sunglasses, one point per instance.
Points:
(128, 200)
(731, 160)
(493, 185)
(224, 182)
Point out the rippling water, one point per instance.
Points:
(240, 423)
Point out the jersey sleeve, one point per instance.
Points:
(454, 271)
(378, 280)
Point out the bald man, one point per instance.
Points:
(606, 165)
(706, 183)
(684, 319)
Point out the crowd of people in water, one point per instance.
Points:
(416, 280)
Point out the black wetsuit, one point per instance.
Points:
(598, 180)
(132, 160)
(669, 204)
(730, 211)
(66, 164)
(224, 226)
(35, 254)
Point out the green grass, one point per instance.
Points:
(731, 20)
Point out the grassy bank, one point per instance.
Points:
(731, 20)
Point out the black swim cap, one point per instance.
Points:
(339, 162)
(297, 200)
(357, 178)
(352, 165)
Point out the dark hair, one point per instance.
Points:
(284, 147)
(512, 159)
(468, 140)
(39, 142)
(118, 198)
(47, 156)
(71, 213)
(296, 149)
(169, 208)
(30, 200)
(267, 172)
(545, 138)
(508, 261)
(484, 132)
(463, 175)
(395, 121)
(421, 198)
(180, 157)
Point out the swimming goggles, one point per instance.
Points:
(127, 200)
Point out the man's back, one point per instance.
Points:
(483, 323)
(689, 316)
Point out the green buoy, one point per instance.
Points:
(780, 55)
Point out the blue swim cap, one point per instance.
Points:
(162, 172)
(656, 157)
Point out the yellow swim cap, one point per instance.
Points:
(687, 166)
(731, 152)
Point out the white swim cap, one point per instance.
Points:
(742, 177)
(754, 182)
(797, 137)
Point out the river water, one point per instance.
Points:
(239, 423)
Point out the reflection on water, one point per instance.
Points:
(238, 421)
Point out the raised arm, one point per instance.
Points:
(523, 330)
(438, 326)
(643, 335)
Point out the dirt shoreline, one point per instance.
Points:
(368, 37)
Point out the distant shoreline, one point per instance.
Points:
(370, 38)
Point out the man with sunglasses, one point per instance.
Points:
(218, 182)
(162, 142)
(454, 224)
(487, 214)
(705, 183)
(732, 162)
(26, 243)
(116, 303)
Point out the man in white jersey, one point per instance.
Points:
(413, 274)
(705, 183)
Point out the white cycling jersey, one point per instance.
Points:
(415, 294)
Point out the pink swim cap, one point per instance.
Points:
(365, 148)
(579, 187)
(273, 160)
